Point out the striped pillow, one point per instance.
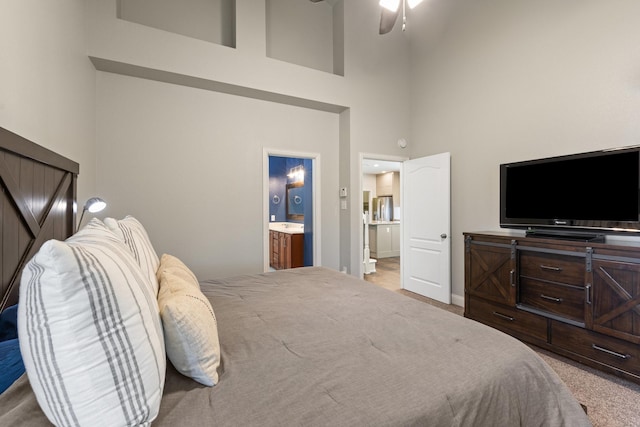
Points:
(90, 332)
(134, 235)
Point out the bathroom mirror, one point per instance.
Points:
(295, 201)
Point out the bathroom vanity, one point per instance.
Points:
(286, 245)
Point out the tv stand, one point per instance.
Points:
(577, 299)
(577, 236)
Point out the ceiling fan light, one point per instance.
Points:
(391, 5)
(413, 3)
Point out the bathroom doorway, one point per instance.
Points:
(291, 189)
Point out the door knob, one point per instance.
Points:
(443, 235)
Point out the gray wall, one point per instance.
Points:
(47, 83)
(189, 164)
(500, 80)
(209, 20)
(369, 109)
(491, 82)
(312, 24)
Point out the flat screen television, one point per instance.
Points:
(596, 192)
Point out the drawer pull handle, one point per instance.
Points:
(503, 316)
(613, 353)
(550, 268)
(548, 298)
(511, 277)
(588, 292)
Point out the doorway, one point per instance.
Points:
(381, 219)
(291, 188)
(425, 263)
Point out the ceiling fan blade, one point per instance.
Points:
(387, 19)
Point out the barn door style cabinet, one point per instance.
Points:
(577, 299)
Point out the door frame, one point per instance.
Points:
(372, 156)
(315, 182)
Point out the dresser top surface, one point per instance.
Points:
(612, 242)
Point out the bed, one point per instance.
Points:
(311, 346)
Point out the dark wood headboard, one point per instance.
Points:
(37, 204)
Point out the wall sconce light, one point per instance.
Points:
(93, 205)
(296, 174)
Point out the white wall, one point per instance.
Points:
(371, 99)
(47, 91)
(500, 80)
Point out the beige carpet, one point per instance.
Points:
(610, 401)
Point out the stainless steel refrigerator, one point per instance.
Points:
(385, 208)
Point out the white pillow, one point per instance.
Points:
(134, 235)
(190, 326)
(90, 332)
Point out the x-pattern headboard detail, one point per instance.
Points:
(37, 203)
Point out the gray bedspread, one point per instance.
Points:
(313, 347)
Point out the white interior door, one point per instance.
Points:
(426, 247)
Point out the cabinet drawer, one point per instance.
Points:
(565, 301)
(601, 348)
(553, 267)
(507, 319)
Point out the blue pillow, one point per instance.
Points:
(11, 365)
(8, 323)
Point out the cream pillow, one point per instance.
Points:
(90, 332)
(190, 326)
(135, 237)
(174, 265)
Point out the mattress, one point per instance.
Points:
(315, 347)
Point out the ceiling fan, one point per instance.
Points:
(389, 11)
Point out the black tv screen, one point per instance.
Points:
(598, 190)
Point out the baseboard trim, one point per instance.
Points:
(457, 300)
